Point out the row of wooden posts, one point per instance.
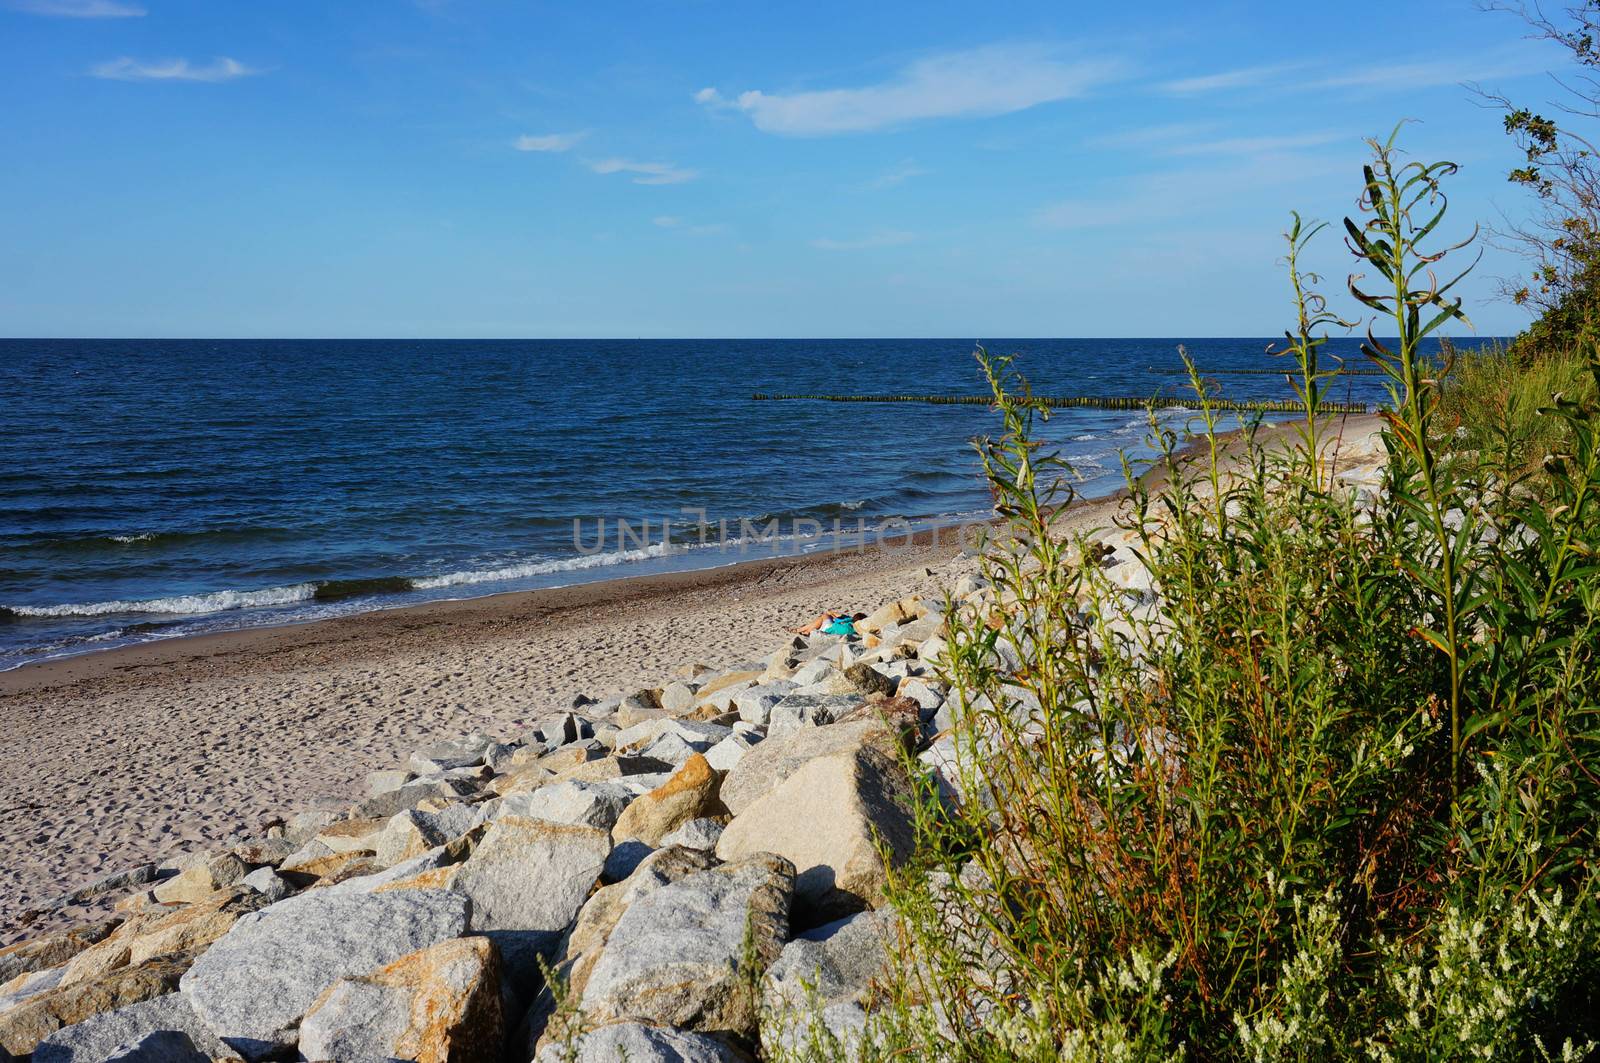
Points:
(1098, 402)
(1342, 371)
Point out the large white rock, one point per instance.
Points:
(586, 804)
(527, 878)
(728, 752)
(678, 696)
(690, 793)
(591, 931)
(813, 672)
(696, 834)
(100, 1038)
(266, 882)
(675, 957)
(438, 1005)
(827, 976)
(766, 766)
(755, 703)
(829, 818)
(254, 984)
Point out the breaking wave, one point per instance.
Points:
(527, 569)
(187, 604)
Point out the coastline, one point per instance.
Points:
(478, 614)
(140, 752)
(137, 753)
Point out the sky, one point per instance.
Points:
(496, 168)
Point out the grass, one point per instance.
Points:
(1497, 401)
(1329, 790)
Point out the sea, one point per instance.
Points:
(151, 489)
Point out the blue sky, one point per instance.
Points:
(480, 168)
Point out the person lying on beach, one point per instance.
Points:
(826, 620)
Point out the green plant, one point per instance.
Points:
(1304, 343)
(1391, 241)
(1310, 774)
(1494, 402)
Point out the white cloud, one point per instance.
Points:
(1243, 77)
(994, 80)
(646, 173)
(549, 142)
(881, 238)
(78, 8)
(125, 69)
(897, 176)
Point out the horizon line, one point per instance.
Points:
(658, 339)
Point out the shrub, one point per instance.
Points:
(1326, 789)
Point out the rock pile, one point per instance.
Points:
(690, 860)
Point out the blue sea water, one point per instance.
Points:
(151, 488)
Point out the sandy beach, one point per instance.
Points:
(136, 754)
(110, 759)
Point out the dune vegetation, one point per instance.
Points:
(1325, 784)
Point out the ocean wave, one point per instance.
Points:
(142, 537)
(540, 568)
(335, 590)
(186, 604)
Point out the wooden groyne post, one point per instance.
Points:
(1095, 402)
(1257, 372)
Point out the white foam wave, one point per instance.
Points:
(141, 538)
(540, 568)
(188, 604)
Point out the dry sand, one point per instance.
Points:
(116, 758)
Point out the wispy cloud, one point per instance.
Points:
(645, 173)
(668, 221)
(880, 238)
(1243, 77)
(78, 8)
(994, 80)
(897, 176)
(1256, 145)
(126, 69)
(549, 142)
(1430, 74)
